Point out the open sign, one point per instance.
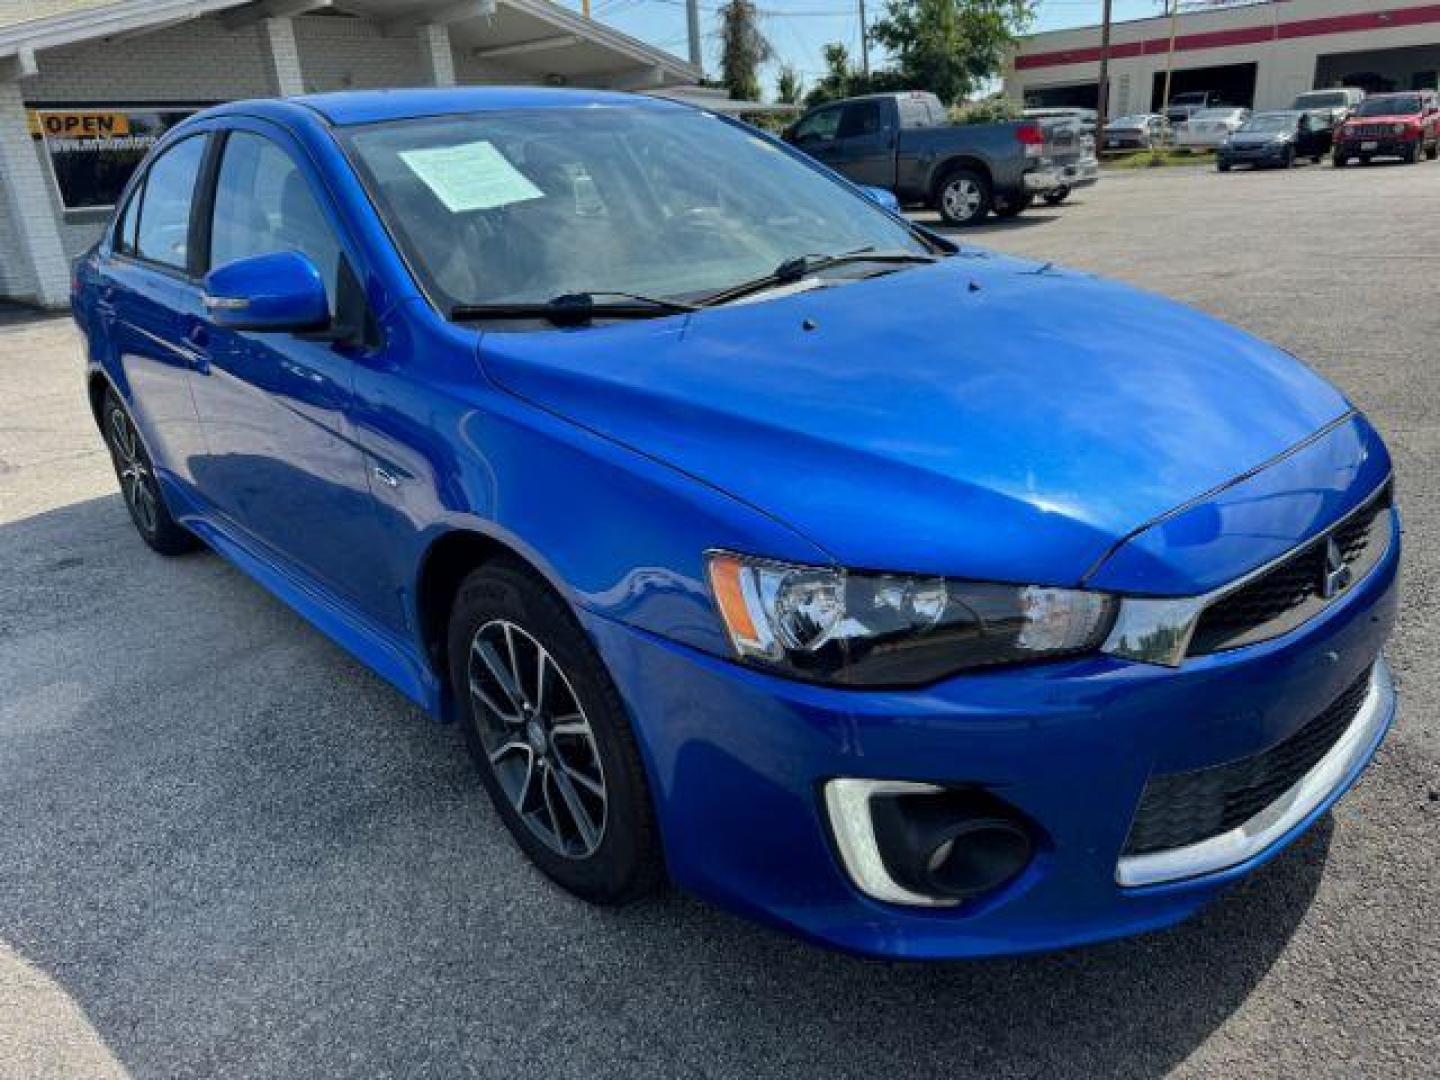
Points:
(78, 125)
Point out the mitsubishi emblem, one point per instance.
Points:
(1337, 572)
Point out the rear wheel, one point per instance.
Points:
(1222, 166)
(138, 485)
(1339, 160)
(1433, 151)
(1058, 196)
(551, 737)
(963, 198)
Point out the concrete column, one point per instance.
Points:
(285, 75)
(436, 59)
(31, 210)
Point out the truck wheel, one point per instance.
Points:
(1059, 195)
(1010, 206)
(1339, 160)
(963, 198)
(1434, 151)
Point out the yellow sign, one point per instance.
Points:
(78, 125)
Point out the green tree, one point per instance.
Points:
(840, 78)
(949, 47)
(788, 86)
(743, 49)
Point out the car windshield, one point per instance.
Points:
(1389, 106)
(1271, 122)
(523, 206)
(1331, 100)
(1216, 114)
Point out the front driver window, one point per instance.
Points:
(821, 125)
(164, 227)
(263, 204)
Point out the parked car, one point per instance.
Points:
(1277, 138)
(902, 142)
(1208, 128)
(1339, 102)
(756, 537)
(1183, 106)
(1139, 131)
(1390, 125)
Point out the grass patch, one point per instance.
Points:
(1145, 159)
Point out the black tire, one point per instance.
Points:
(138, 486)
(1222, 166)
(1433, 152)
(1058, 196)
(1007, 206)
(963, 197)
(1315, 158)
(1339, 160)
(1413, 155)
(1289, 162)
(616, 862)
(1364, 159)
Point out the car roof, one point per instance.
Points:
(374, 106)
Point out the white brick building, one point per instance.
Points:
(1260, 54)
(122, 62)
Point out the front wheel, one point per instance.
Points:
(963, 198)
(138, 485)
(551, 737)
(1339, 160)
(1058, 196)
(1222, 166)
(1434, 151)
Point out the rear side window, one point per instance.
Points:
(263, 204)
(862, 118)
(163, 234)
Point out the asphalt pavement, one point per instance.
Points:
(227, 849)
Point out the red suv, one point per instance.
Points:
(1391, 125)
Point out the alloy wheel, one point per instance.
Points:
(137, 481)
(537, 739)
(962, 198)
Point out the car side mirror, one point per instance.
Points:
(882, 197)
(278, 292)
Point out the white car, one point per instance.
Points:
(1208, 128)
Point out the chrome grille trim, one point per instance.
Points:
(1159, 630)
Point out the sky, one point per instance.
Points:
(799, 29)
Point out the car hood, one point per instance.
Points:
(1388, 118)
(1254, 138)
(983, 417)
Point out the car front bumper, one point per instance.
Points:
(738, 759)
(1376, 147)
(1269, 154)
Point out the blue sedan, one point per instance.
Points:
(760, 541)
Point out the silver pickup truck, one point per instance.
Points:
(904, 142)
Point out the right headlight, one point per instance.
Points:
(828, 624)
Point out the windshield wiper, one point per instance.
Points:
(799, 266)
(574, 309)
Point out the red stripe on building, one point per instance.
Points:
(1245, 35)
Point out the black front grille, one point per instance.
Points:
(1292, 591)
(1185, 808)
(1370, 131)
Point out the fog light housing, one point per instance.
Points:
(922, 845)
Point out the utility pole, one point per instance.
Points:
(692, 26)
(1102, 95)
(1170, 56)
(864, 44)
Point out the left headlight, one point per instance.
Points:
(865, 629)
